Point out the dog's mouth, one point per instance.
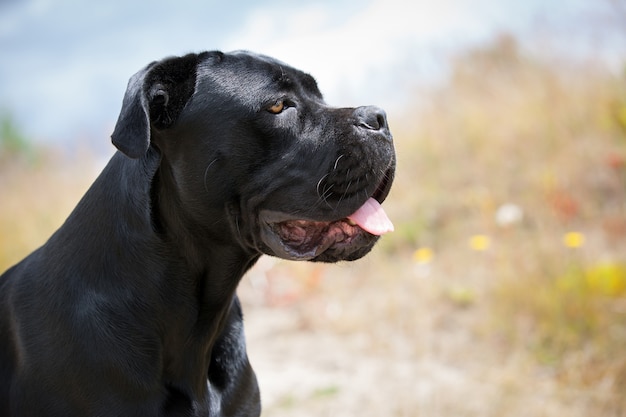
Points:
(306, 239)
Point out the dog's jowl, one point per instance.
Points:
(129, 309)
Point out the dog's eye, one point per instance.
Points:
(277, 107)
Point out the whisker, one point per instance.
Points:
(323, 194)
(327, 192)
(344, 194)
(337, 161)
(320, 183)
(206, 171)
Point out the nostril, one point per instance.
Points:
(371, 117)
(382, 120)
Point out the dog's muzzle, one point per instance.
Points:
(346, 238)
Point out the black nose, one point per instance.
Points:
(371, 117)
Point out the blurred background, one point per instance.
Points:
(502, 290)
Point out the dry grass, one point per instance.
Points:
(38, 192)
(503, 290)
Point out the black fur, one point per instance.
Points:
(130, 309)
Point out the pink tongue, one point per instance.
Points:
(372, 218)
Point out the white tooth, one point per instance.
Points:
(351, 222)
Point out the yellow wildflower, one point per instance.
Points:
(574, 240)
(480, 243)
(423, 255)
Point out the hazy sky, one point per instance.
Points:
(65, 63)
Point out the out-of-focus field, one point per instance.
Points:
(502, 291)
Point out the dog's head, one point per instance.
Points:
(249, 142)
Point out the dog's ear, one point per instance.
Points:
(154, 98)
(132, 130)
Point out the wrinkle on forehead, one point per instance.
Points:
(249, 76)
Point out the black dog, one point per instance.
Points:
(130, 308)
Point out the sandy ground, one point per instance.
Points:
(387, 348)
(322, 373)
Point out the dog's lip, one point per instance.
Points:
(306, 239)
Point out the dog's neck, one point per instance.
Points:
(213, 263)
(196, 242)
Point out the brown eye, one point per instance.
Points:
(278, 107)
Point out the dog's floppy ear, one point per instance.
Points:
(154, 98)
(132, 130)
